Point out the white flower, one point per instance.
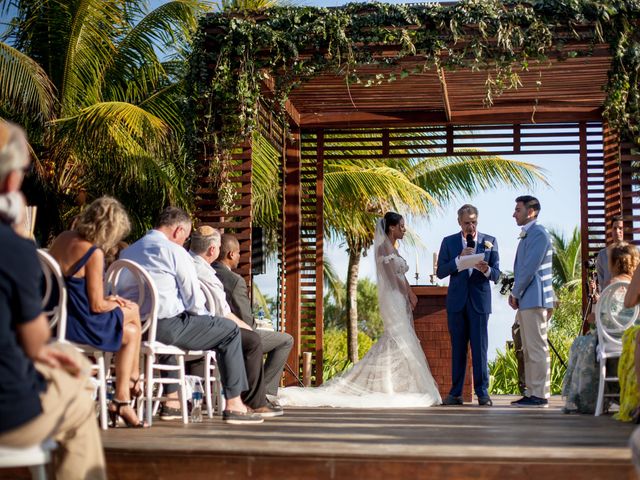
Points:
(523, 234)
(488, 245)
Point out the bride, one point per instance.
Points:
(394, 373)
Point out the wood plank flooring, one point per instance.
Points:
(468, 442)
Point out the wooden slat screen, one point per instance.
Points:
(630, 189)
(238, 220)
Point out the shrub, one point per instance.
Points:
(563, 329)
(335, 358)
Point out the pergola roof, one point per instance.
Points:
(568, 89)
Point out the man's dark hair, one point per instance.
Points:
(467, 208)
(529, 202)
(614, 219)
(171, 216)
(228, 243)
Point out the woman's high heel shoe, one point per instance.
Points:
(114, 414)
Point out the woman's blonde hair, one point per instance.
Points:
(104, 223)
(623, 259)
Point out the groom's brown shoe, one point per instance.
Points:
(451, 400)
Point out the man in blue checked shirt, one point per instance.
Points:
(532, 296)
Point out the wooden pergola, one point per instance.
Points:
(558, 109)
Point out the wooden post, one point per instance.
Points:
(292, 246)
(319, 259)
(306, 368)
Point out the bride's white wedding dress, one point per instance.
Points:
(394, 373)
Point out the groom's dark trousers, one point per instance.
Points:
(468, 309)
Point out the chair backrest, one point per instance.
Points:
(612, 318)
(55, 310)
(129, 280)
(209, 302)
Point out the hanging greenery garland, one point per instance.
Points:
(234, 52)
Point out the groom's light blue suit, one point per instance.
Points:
(532, 285)
(468, 309)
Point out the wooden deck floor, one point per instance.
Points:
(450, 442)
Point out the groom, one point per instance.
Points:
(468, 302)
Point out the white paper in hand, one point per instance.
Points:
(469, 261)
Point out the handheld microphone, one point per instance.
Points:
(470, 241)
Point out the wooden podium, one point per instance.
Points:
(430, 318)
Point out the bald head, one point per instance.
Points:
(229, 250)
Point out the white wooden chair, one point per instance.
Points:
(212, 381)
(58, 318)
(145, 294)
(612, 319)
(36, 457)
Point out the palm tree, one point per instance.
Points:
(98, 85)
(567, 258)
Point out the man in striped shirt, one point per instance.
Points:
(532, 296)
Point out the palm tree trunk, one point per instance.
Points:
(355, 254)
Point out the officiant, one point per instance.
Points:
(471, 260)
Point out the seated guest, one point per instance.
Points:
(616, 235)
(252, 349)
(580, 385)
(111, 324)
(226, 285)
(45, 391)
(183, 320)
(629, 364)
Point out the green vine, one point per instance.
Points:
(234, 52)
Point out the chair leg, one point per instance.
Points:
(150, 360)
(207, 384)
(603, 373)
(159, 394)
(140, 400)
(38, 472)
(183, 390)
(102, 390)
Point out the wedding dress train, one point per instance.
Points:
(394, 373)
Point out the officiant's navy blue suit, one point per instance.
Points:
(468, 309)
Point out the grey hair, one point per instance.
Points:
(467, 208)
(202, 238)
(14, 151)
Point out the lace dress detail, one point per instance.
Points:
(394, 372)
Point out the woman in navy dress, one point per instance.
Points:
(111, 324)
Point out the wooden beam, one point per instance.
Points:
(289, 107)
(364, 119)
(445, 93)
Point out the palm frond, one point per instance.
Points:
(567, 258)
(117, 127)
(135, 65)
(90, 46)
(25, 88)
(332, 283)
(266, 186)
(451, 177)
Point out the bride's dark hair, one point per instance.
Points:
(391, 219)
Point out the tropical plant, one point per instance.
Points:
(335, 359)
(564, 327)
(98, 86)
(567, 259)
(369, 319)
